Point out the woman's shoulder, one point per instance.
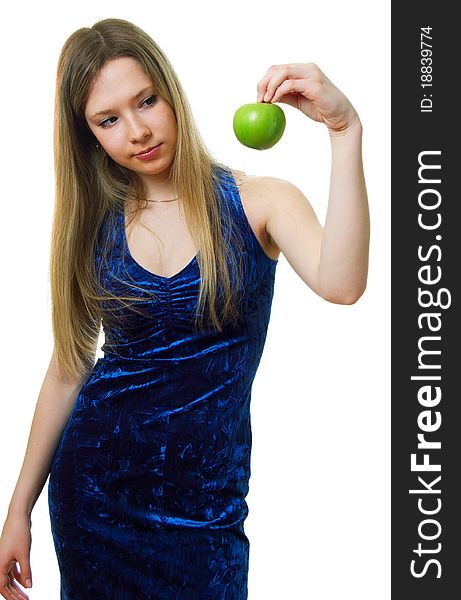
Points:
(265, 192)
(262, 184)
(257, 193)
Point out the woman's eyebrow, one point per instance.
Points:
(111, 110)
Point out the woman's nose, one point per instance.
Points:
(138, 130)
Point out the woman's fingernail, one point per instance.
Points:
(28, 583)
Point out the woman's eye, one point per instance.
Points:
(102, 124)
(152, 98)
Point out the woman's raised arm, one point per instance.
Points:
(333, 259)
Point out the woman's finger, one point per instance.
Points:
(8, 593)
(290, 86)
(16, 572)
(5, 582)
(272, 78)
(25, 571)
(277, 74)
(9, 589)
(15, 591)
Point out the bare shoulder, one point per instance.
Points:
(270, 190)
(264, 196)
(260, 183)
(256, 193)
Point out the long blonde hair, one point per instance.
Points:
(91, 187)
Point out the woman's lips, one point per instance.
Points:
(149, 154)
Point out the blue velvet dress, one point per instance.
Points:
(147, 486)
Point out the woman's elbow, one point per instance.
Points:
(343, 296)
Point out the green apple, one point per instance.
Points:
(259, 125)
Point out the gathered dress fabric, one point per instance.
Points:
(147, 487)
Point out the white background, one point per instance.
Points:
(319, 501)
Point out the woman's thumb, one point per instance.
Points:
(25, 576)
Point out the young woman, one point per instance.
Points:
(174, 254)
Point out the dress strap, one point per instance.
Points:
(230, 185)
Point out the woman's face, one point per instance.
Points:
(127, 117)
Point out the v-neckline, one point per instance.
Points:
(136, 263)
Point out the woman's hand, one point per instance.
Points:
(15, 544)
(307, 88)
